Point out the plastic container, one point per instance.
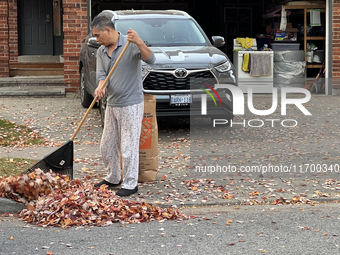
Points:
(319, 56)
(289, 56)
(285, 46)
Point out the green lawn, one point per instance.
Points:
(12, 134)
(14, 166)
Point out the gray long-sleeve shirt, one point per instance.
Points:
(125, 86)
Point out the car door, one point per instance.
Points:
(92, 47)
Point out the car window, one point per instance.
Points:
(164, 32)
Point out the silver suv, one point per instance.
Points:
(187, 64)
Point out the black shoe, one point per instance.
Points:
(109, 184)
(126, 192)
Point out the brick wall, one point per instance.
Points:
(75, 29)
(4, 42)
(336, 45)
(13, 30)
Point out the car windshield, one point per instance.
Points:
(164, 32)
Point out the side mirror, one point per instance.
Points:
(92, 42)
(218, 41)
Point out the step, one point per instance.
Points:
(40, 59)
(35, 65)
(36, 69)
(35, 91)
(40, 86)
(51, 80)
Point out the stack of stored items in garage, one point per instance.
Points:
(289, 69)
(260, 78)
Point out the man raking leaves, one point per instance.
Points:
(125, 102)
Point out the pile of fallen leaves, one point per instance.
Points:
(54, 200)
(27, 187)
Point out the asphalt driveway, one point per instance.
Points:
(267, 164)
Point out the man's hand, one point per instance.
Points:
(134, 38)
(98, 92)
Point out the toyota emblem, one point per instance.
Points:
(181, 73)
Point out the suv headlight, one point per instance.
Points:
(226, 66)
(145, 71)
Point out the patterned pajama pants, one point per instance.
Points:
(122, 128)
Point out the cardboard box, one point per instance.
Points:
(289, 27)
(282, 36)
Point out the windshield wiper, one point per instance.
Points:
(147, 43)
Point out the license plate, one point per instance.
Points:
(180, 99)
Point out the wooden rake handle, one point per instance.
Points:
(102, 87)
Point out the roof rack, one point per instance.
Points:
(182, 12)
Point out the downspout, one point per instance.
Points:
(88, 16)
(8, 43)
(329, 48)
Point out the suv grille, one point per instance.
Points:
(167, 81)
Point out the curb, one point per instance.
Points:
(9, 206)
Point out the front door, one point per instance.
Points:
(35, 27)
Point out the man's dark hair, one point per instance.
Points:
(101, 22)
